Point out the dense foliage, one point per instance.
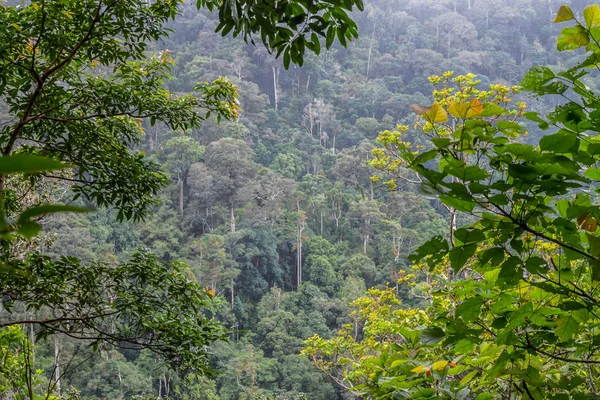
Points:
(514, 294)
(276, 214)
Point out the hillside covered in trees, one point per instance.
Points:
(281, 210)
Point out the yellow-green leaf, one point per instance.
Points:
(420, 369)
(468, 378)
(466, 110)
(572, 38)
(436, 114)
(459, 110)
(398, 363)
(564, 14)
(592, 15)
(439, 365)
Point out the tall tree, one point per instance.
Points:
(178, 154)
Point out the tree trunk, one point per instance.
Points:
(57, 363)
(275, 91)
(321, 223)
(452, 229)
(366, 236)
(181, 195)
(299, 230)
(333, 144)
(452, 224)
(232, 219)
(371, 47)
(232, 292)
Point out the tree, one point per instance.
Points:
(178, 154)
(17, 359)
(57, 89)
(230, 169)
(288, 27)
(77, 86)
(521, 303)
(368, 212)
(212, 259)
(106, 305)
(352, 167)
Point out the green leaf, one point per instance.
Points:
(470, 173)
(468, 236)
(434, 245)
(494, 256)
(572, 38)
(460, 255)
(49, 209)
(560, 142)
(533, 116)
(536, 77)
(424, 157)
(509, 273)
(564, 14)
(594, 242)
(329, 37)
(595, 270)
(28, 164)
(571, 306)
(470, 309)
(316, 43)
(441, 143)
(534, 264)
(566, 327)
(432, 335)
(499, 323)
(593, 173)
(461, 205)
(492, 110)
(468, 378)
(29, 229)
(510, 128)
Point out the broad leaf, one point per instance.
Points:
(591, 15)
(564, 14)
(432, 335)
(560, 142)
(468, 236)
(44, 209)
(572, 38)
(436, 114)
(460, 255)
(470, 309)
(461, 205)
(566, 327)
(28, 164)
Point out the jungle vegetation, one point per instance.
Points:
(307, 200)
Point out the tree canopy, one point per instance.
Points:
(311, 217)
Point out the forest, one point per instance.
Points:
(299, 200)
